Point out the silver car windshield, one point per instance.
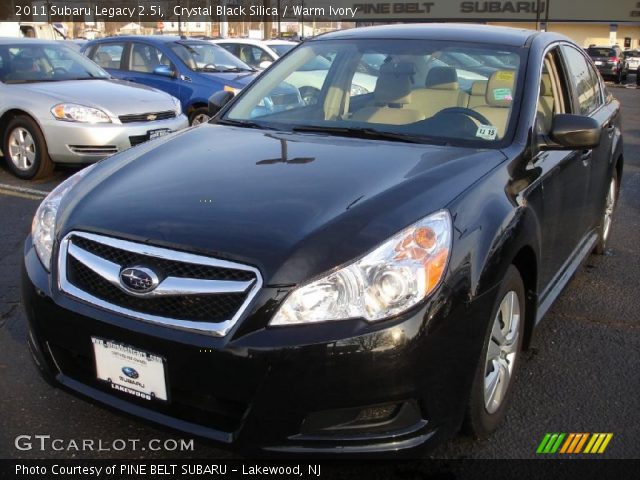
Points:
(415, 90)
(21, 63)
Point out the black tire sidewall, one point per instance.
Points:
(479, 422)
(42, 165)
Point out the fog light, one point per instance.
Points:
(376, 414)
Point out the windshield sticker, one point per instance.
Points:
(502, 94)
(505, 76)
(488, 132)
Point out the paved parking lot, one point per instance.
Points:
(580, 376)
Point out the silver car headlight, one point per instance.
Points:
(71, 112)
(44, 221)
(177, 107)
(389, 280)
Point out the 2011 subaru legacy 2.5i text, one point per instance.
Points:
(358, 273)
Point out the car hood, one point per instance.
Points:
(116, 97)
(293, 205)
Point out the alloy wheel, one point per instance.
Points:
(608, 209)
(22, 149)
(501, 352)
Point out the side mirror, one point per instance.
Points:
(573, 132)
(164, 71)
(219, 100)
(265, 64)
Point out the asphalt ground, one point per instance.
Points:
(581, 374)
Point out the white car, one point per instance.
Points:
(257, 53)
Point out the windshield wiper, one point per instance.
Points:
(245, 124)
(369, 133)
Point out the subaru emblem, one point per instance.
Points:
(138, 280)
(130, 372)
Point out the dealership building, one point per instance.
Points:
(587, 22)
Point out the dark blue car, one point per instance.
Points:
(189, 69)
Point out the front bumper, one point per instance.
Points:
(291, 390)
(70, 142)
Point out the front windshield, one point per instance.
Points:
(398, 89)
(45, 63)
(206, 57)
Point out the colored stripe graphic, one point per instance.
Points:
(573, 443)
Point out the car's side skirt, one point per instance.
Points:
(561, 279)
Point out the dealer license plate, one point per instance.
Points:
(130, 370)
(158, 133)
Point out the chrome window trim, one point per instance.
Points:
(216, 329)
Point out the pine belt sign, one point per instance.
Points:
(501, 10)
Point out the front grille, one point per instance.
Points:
(94, 149)
(201, 308)
(147, 117)
(205, 294)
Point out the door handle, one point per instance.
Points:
(585, 156)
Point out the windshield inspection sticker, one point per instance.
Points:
(502, 94)
(487, 132)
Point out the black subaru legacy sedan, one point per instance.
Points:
(358, 273)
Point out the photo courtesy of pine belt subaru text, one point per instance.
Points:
(339, 273)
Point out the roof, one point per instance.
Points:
(150, 38)
(508, 36)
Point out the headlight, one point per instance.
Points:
(176, 106)
(358, 90)
(387, 281)
(71, 112)
(233, 90)
(44, 221)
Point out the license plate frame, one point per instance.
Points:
(157, 133)
(131, 370)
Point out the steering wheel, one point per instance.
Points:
(209, 65)
(59, 70)
(468, 112)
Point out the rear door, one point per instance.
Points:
(590, 100)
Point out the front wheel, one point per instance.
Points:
(25, 149)
(492, 386)
(198, 116)
(607, 216)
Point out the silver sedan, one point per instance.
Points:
(58, 106)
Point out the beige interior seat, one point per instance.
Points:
(545, 103)
(392, 96)
(498, 100)
(441, 91)
(478, 91)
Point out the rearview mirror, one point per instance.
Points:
(265, 64)
(573, 132)
(164, 71)
(219, 100)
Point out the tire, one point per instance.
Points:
(604, 230)
(25, 149)
(197, 116)
(485, 412)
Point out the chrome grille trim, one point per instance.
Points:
(169, 286)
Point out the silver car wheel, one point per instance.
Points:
(610, 203)
(501, 352)
(22, 148)
(200, 118)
